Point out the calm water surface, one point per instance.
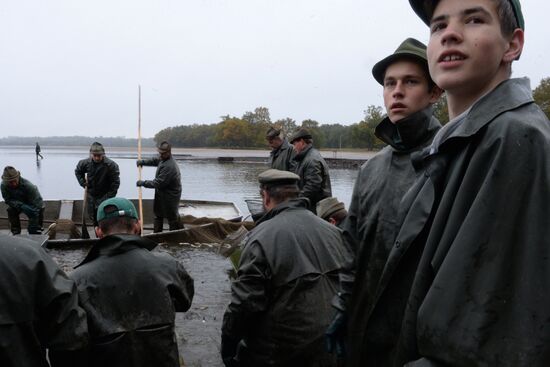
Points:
(201, 179)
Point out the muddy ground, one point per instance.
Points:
(198, 330)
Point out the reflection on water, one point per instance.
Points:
(201, 180)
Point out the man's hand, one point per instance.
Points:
(140, 183)
(140, 162)
(229, 351)
(29, 211)
(336, 333)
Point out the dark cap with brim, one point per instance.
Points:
(10, 174)
(425, 8)
(116, 208)
(272, 133)
(328, 207)
(408, 49)
(275, 177)
(300, 134)
(164, 147)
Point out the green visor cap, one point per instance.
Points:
(409, 49)
(116, 207)
(277, 177)
(424, 9)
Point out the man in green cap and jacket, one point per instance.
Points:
(311, 167)
(22, 196)
(288, 273)
(282, 153)
(100, 175)
(372, 220)
(167, 185)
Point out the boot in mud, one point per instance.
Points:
(158, 223)
(13, 218)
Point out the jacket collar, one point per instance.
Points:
(116, 244)
(507, 96)
(290, 204)
(409, 133)
(300, 156)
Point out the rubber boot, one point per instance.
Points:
(15, 223)
(158, 223)
(175, 224)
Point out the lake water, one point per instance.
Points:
(201, 179)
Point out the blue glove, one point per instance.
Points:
(29, 211)
(336, 333)
(140, 162)
(140, 183)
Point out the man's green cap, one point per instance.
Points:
(328, 207)
(97, 148)
(425, 8)
(302, 133)
(275, 177)
(10, 174)
(115, 208)
(164, 147)
(272, 133)
(408, 49)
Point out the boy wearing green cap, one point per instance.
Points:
(475, 223)
(408, 93)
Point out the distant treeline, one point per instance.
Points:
(248, 131)
(76, 141)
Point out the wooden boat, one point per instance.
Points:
(63, 219)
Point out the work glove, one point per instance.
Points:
(29, 210)
(140, 183)
(336, 333)
(140, 162)
(229, 351)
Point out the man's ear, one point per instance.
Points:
(331, 220)
(137, 227)
(99, 233)
(515, 46)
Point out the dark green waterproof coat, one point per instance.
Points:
(167, 185)
(314, 176)
(282, 158)
(466, 282)
(103, 177)
(26, 193)
(130, 296)
(372, 217)
(280, 301)
(38, 306)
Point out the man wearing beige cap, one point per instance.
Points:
(288, 274)
(332, 210)
(281, 155)
(22, 196)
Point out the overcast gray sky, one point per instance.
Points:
(72, 67)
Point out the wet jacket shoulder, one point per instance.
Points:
(287, 276)
(25, 193)
(479, 252)
(38, 306)
(314, 176)
(103, 177)
(282, 158)
(130, 296)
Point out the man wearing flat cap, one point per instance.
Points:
(332, 210)
(311, 167)
(383, 180)
(21, 196)
(100, 175)
(288, 274)
(281, 156)
(130, 293)
(167, 185)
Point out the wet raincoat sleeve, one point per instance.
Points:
(248, 293)
(80, 172)
(313, 177)
(9, 198)
(182, 290)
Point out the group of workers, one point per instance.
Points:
(441, 260)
